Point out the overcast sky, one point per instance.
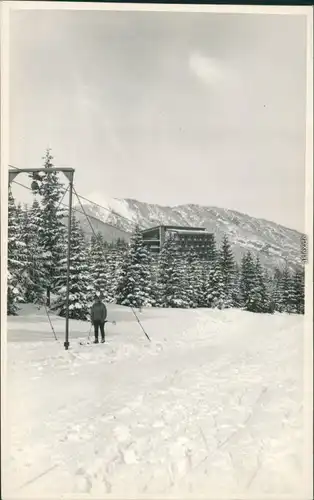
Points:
(167, 108)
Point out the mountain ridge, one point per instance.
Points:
(274, 243)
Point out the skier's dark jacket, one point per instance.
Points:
(98, 312)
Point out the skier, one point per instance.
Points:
(98, 318)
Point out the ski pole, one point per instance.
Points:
(51, 325)
(139, 322)
(89, 333)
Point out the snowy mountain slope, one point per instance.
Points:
(272, 242)
(212, 406)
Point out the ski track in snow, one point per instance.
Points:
(212, 406)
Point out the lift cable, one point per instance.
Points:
(93, 230)
(137, 318)
(90, 201)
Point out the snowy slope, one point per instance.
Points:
(272, 242)
(212, 406)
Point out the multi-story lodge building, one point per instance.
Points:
(190, 238)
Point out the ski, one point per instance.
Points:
(91, 343)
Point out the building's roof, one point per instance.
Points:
(192, 231)
(182, 228)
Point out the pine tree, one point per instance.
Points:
(227, 267)
(249, 299)
(114, 261)
(259, 292)
(236, 294)
(15, 266)
(134, 286)
(99, 267)
(253, 289)
(80, 290)
(216, 290)
(51, 230)
(24, 256)
(299, 289)
(116, 254)
(194, 276)
(204, 284)
(269, 284)
(154, 277)
(276, 296)
(287, 291)
(35, 284)
(172, 275)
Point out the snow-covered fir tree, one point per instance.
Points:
(134, 286)
(287, 291)
(99, 267)
(115, 254)
(248, 283)
(235, 293)
(110, 265)
(275, 290)
(194, 275)
(35, 284)
(253, 290)
(51, 230)
(269, 281)
(203, 286)
(259, 292)
(299, 289)
(172, 275)
(81, 289)
(24, 255)
(154, 260)
(216, 297)
(15, 265)
(227, 268)
(116, 257)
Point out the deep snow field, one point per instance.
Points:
(212, 407)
